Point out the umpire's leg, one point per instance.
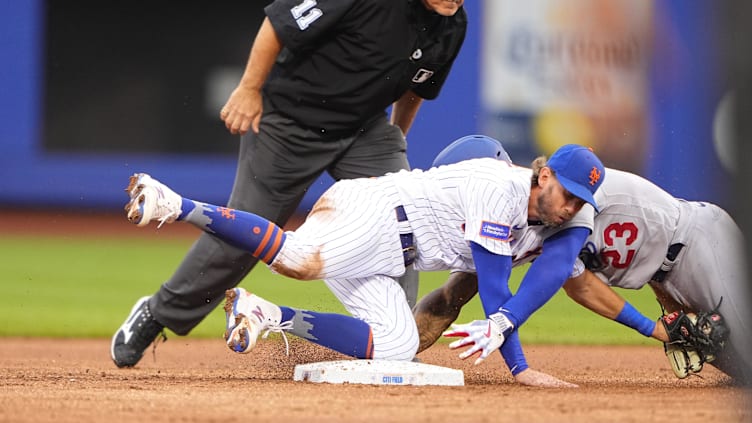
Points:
(379, 149)
(213, 266)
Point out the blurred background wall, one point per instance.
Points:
(91, 92)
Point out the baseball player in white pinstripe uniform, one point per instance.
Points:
(554, 248)
(362, 233)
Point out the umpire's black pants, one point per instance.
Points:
(275, 168)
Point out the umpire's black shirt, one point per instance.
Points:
(346, 61)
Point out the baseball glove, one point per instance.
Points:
(694, 339)
(683, 360)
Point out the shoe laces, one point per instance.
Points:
(147, 331)
(280, 328)
(170, 208)
(161, 338)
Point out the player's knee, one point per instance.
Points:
(404, 352)
(298, 263)
(391, 344)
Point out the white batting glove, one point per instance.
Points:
(485, 336)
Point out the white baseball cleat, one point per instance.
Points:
(248, 315)
(151, 200)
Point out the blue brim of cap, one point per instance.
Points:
(578, 190)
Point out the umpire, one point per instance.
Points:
(314, 95)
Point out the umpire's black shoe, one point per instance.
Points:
(137, 332)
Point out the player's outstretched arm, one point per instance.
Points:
(486, 336)
(592, 293)
(546, 274)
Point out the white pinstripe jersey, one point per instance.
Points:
(351, 237)
(484, 201)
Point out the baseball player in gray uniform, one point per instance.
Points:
(363, 233)
(690, 253)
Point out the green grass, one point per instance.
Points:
(72, 287)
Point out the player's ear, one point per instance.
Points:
(544, 175)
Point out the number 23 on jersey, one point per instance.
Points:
(617, 238)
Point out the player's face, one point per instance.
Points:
(443, 7)
(555, 204)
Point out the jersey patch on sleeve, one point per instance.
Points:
(495, 231)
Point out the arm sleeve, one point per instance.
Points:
(493, 278)
(546, 275)
(511, 350)
(493, 287)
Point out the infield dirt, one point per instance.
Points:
(185, 379)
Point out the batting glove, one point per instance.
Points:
(485, 336)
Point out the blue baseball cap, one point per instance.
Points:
(471, 147)
(578, 170)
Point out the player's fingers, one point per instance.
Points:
(456, 344)
(235, 125)
(244, 125)
(461, 343)
(229, 121)
(470, 351)
(457, 330)
(454, 334)
(483, 356)
(255, 124)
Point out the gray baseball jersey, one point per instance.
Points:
(637, 224)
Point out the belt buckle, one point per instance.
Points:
(409, 254)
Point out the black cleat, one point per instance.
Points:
(137, 332)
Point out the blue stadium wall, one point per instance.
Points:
(681, 158)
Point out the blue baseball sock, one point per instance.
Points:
(248, 231)
(344, 334)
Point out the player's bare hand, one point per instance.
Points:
(530, 377)
(242, 111)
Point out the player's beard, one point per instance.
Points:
(546, 213)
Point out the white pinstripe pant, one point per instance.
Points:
(351, 240)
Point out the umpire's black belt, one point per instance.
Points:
(406, 236)
(668, 262)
